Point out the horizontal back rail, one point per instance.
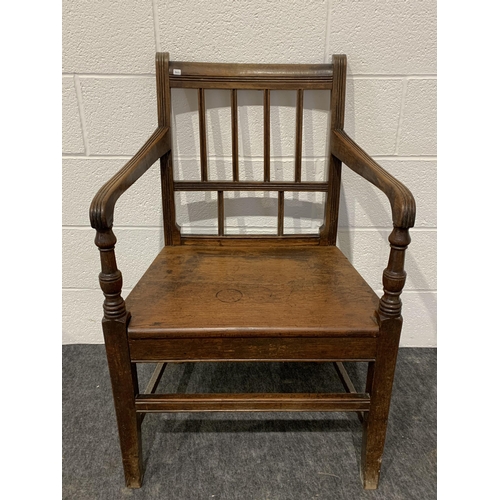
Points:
(253, 84)
(244, 240)
(249, 186)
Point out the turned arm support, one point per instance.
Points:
(403, 217)
(101, 219)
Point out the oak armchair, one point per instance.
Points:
(185, 308)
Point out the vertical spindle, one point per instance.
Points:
(267, 135)
(220, 212)
(203, 135)
(234, 133)
(281, 212)
(298, 135)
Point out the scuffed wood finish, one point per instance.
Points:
(252, 402)
(276, 348)
(226, 298)
(251, 292)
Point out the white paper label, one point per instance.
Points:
(177, 72)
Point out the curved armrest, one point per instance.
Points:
(403, 217)
(402, 201)
(103, 204)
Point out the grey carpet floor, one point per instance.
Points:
(250, 456)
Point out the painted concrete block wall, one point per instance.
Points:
(109, 110)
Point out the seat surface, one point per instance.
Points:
(200, 291)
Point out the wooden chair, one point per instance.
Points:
(252, 298)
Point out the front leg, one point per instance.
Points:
(121, 371)
(381, 372)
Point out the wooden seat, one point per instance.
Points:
(192, 291)
(287, 297)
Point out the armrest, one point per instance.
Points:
(403, 217)
(103, 204)
(101, 219)
(400, 197)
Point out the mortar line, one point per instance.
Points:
(379, 76)
(307, 158)
(76, 156)
(401, 114)
(358, 76)
(367, 229)
(344, 229)
(95, 157)
(327, 34)
(156, 25)
(111, 75)
(83, 123)
(406, 158)
(291, 158)
(83, 227)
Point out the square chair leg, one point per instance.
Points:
(379, 385)
(124, 384)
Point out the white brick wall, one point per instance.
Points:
(109, 110)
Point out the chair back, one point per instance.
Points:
(264, 78)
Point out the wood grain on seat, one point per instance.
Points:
(191, 291)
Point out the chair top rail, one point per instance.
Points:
(240, 70)
(253, 76)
